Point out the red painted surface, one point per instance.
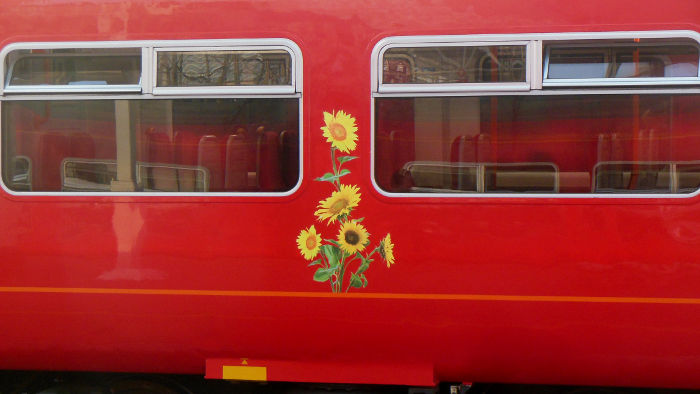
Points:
(515, 247)
(357, 371)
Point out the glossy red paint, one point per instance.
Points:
(357, 371)
(215, 278)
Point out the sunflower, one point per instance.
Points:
(340, 130)
(309, 243)
(352, 237)
(386, 249)
(339, 203)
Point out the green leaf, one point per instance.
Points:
(363, 267)
(358, 220)
(328, 177)
(315, 262)
(332, 253)
(364, 280)
(345, 159)
(355, 281)
(323, 274)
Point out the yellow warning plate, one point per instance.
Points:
(244, 373)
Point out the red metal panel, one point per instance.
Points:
(356, 371)
(460, 296)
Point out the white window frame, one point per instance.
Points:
(536, 84)
(5, 86)
(455, 87)
(267, 89)
(636, 81)
(147, 91)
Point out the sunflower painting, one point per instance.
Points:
(340, 131)
(309, 243)
(342, 262)
(352, 237)
(339, 203)
(387, 250)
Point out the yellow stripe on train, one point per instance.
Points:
(244, 373)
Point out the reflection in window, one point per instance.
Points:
(638, 61)
(223, 68)
(538, 144)
(454, 64)
(22, 174)
(88, 174)
(577, 64)
(184, 145)
(91, 67)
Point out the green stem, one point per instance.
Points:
(326, 264)
(324, 261)
(354, 257)
(336, 183)
(342, 274)
(334, 286)
(340, 165)
(373, 252)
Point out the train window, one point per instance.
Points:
(538, 144)
(81, 69)
(454, 64)
(592, 140)
(223, 68)
(671, 63)
(192, 145)
(121, 142)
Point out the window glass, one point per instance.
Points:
(582, 64)
(91, 67)
(223, 68)
(538, 144)
(641, 61)
(454, 64)
(183, 145)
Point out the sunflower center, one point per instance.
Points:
(310, 243)
(338, 206)
(351, 237)
(338, 131)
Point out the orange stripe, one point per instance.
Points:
(393, 296)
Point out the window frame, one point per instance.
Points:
(634, 81)
(535, 56)
(5, 86)
(455, 87)
(147, 90)
(263, 89)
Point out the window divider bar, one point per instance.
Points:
(68, 89)
(605, 82)
(222, 90)
(535, 63)
(675, 178)
(457, 87)
(147, 70)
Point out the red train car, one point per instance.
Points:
(386, 193)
